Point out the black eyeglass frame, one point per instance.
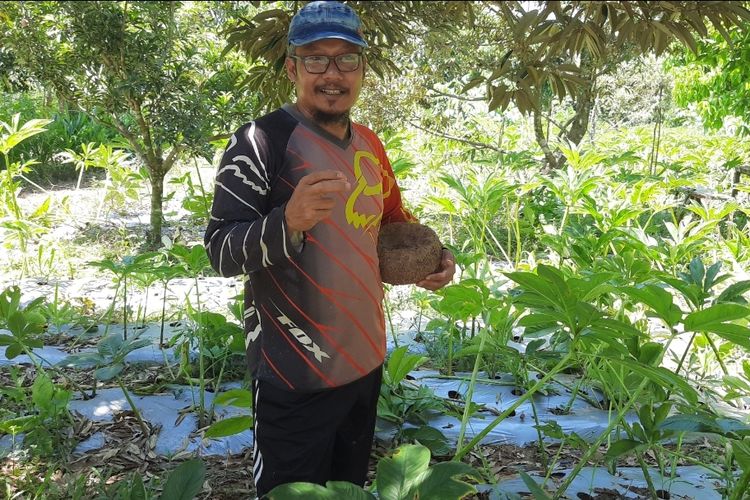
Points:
(335, 60)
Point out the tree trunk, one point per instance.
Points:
(157, 198)
(583, 104)
(552, 163)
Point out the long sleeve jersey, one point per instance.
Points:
(313, 313)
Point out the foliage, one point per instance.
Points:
(68, 129)
(145, 70)
(714, 79)
(45, 417)
(25, 324)
(406, 475)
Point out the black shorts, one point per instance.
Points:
(314, 437)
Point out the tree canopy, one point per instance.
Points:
(513, 54)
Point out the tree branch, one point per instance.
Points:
(219, 137)
(459, 97)
(172, 157)
(459, 139)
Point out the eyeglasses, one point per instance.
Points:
(346, 63)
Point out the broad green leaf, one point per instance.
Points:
(185, 482)
(534, 488)
(440, 482)
(621, 447)
(137, 489)
(697, 270)
(532, 282)
(741, 450)
(109, 372)
(658, 300)
(82, 360)
(704, 423)
(699, 321)
(691, 292)
(430, 437)
(13, 350)
(343, 489)
(660, 376)
(229, 426)
(736, 334)
(398, 475)
(110, 345)
(18, 425)
(301, 491)
(42, 390)
(734, 292)
(401, 363)
(241, 398)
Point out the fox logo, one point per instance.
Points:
(303, 338)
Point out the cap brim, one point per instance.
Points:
(304, 40)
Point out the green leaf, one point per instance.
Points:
(691, 292)
(13, 350)
(137, 489)
(736, 334)
(343, 489)
(621, 447)
(301, 491)
(704, 423)
(440, 481)
(699, 321)
(741, 451)
(42, 390)
(734, 292)
(18, 425)
(430, 437)
(82, 360)
(229, 426)
(241, 398)
(108, 372)
(533, 487)
(660, 376)
(697, 271)
(398, 475)
(401, 363)
(185, 482)
(658, 300)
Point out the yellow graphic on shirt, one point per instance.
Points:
(356, 219)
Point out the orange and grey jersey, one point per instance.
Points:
(314, 313)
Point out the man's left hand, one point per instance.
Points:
(443, 276)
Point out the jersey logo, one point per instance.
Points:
(303, 338)
(357, 219)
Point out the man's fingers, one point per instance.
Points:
(323, 175)
(324, 188)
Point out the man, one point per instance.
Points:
(300, 196)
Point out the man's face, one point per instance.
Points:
(327, 97)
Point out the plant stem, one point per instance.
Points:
(137, 414)
(535, 388)
(470, 391)
(125, 307)
(387, 307)
(716, 353)
(201, 363)
(163, 314)
(594, 447)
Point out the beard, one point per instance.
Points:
(325, 118)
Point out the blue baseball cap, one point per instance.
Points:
(318, 20)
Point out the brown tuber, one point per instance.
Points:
(408, 252)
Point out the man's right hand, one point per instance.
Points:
(314, 198)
